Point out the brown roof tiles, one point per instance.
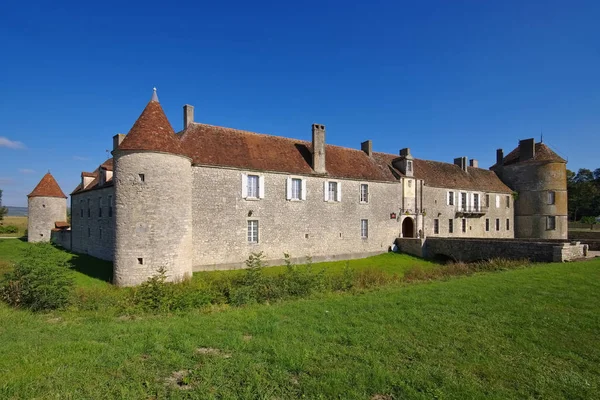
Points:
(152, 131)
(542, 153)
(48, 187)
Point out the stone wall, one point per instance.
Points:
(43, 213)
(93, 231)
(532, 181)
(480, 249)
(153, 216)
(312, 227)
(410, 246)
(591, 238)
(435, 204)
(61, 238)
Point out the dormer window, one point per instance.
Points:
(408, 166)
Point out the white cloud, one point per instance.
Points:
(11, 144)
(79, 158)
(26, 171)
(6, 181)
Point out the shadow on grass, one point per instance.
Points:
(93, 267)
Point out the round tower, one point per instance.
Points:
(539, 178)
(153, 202)
(46, 204)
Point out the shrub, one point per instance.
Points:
(300, 281)
(41, 281)
(8, 229)
(344, 281)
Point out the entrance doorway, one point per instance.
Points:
(408, 228)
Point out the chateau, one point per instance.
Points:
(208, 196)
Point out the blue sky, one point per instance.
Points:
(447, 79)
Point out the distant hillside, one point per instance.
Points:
(17, 211)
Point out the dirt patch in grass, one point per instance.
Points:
(210, 351)
(180, 380)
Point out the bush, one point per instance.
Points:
(8, 229)
(41, 281)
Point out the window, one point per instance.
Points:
(463, 201)
(507, 201)
(436, 226)
(476, 201)
(487, 200)
(410, 183)
(364, 193)
(497, 224)
(507, 224)
(100, 207)
(464, 225)
(551, 222)
(296, 189)
(110, 206)
(100, 232)
(450, 226)
(487, 224)
(140, 261)
(551, 197)
(364, 228)
(450, 200)
(142, 178)
(89, 232)
(408, 166)
(332, 191)
(497, 201)
(81, 208)
(89, 204)
(253, 231)
(253, 186)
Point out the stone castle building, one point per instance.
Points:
(208, 196)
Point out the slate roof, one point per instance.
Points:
(152, 132)
(542, 153)
(48, 187)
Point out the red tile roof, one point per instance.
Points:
(542, 153)
(48, 187)
(152, 131)
(218, 146)
(107, 165)
(62, 225)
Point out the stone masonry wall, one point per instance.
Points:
(93, 232)
(311, 227)
(153, 216)
(434, 202)
(43, 213)
(61, 238)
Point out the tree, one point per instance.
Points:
(589, 220)
(584, 193)
(3, 210)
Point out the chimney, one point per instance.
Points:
(367, 147)
(117, 139)
(499, 157)
(318, 147)
(473, 163)
(188, 115)
(461, 162)
(526, 149)
(405, 152)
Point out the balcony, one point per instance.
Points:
(471, 210)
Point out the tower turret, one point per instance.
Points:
(153, 201)
(539, 178)
(46, 205)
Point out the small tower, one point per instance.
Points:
(539, 178)
(46, 205)
(153, 201)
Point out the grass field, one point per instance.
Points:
(527, 333)
(19, 222)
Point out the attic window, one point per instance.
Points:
(408, 166)
(142, 177)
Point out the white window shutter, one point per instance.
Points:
(326, 190)
(497, 201)
(244, 186)
(303, 189)
(339, 191)
(448, 198)
(288, 195)
(261, 187)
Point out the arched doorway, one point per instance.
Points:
(408, 228)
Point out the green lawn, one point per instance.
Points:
(526, 333)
